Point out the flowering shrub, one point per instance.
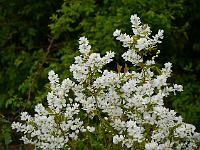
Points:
(109, 109)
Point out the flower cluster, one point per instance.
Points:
(126, 107)
(51, 127)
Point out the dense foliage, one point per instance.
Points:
(29, 48)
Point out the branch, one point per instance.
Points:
(39, 68)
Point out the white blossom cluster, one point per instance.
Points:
(130, 105)
(51, 127)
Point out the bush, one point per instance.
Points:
(104, 109)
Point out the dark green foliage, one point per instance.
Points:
(186, 60)
(37, 36)
(100, 20)
(23, 43)
(5, 131)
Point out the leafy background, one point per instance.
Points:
(37, 36)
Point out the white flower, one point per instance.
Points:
(83, 40)
(85, 49)
(125, 39)
(157, 37)
(150, 62)
(168, 65)
(117, 32)
(135, 20)
(151, 146)
(132, 57)
(160, 81)
(178, 87)
(25, 116)
(142, 43)
(39, 108)
(84, 46)
(90, 129)
(118, 138)
(53, 78)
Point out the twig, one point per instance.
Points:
(39, 68)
